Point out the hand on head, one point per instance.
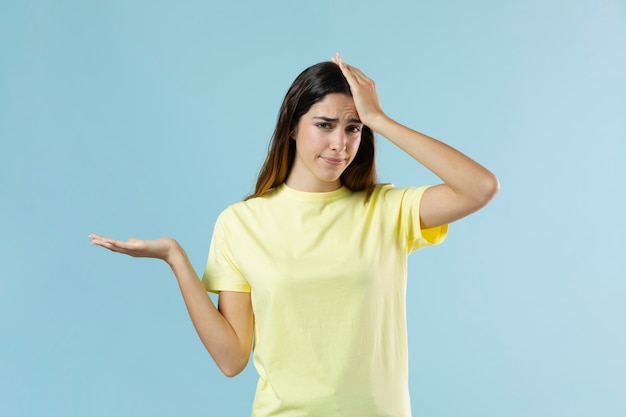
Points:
(363, 92)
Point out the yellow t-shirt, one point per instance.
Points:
(327, 275)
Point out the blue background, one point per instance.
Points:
(147, 118)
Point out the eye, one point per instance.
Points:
(324, 125)
(354, 129)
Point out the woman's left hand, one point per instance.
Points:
(363, 92)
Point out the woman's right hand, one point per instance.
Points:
(160, 248)
(225, 332)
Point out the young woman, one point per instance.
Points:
(313, 264)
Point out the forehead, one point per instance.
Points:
(334, 105)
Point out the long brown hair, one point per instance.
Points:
(310, 87)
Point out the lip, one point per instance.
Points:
(333, 161)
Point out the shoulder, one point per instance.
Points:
(390, 195)
(235, 212)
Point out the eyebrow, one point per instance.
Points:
(335, 120)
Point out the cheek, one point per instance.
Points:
(304, 140)
(354, 145)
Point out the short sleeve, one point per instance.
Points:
(405, 203)
(221, 272)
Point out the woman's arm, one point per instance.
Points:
(226, 331)
(467, 186)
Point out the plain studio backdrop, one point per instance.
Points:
(147, 118)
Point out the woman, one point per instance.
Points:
(313, 264)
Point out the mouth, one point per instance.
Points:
(333, 161)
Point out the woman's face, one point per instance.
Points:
(327, 138)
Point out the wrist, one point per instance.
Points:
(174, 253)
(377, 122)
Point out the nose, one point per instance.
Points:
(339, 140)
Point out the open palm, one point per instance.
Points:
(159, 248)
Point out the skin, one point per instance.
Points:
(467, 186)
(327, 139)
(323, 151)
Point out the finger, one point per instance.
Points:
(353, 81)
(94, 236)
(105, 243)
(97, 239)
(345, 69)
(339, 59)
(354, 76)
(111, 244)
(358, 75)
(342, 64)
(119, 247)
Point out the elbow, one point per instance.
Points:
(231, 370)
(490, 186)
(231, 373)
